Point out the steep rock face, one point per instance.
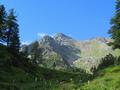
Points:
(63, 39)
(52, 58)
(62, 45)
(59, 49)
(63, 51)
(67, 50)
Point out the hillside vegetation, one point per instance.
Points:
(17, 73)
(106, 79)
(30, 77)
(15, 78)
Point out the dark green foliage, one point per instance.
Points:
(2, 23)
(107, 61)
(9, 31)
(8, 59)
(115, 29)
(12, 33)
(4, 55)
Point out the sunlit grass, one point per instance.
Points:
(107, 79)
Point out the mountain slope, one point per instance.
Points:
(58, 51)
(92, 52)
(62, 51)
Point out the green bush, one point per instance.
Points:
(107, 61)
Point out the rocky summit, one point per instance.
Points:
(62, 51)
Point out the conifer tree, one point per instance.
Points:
(2, 23)
(115, 28)
(12, 34)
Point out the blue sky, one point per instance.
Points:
(81, 19)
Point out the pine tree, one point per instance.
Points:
(115, 28)
(12, 34)
(2, 23)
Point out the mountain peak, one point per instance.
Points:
(61, 36)
(47, 37)
(46, 40)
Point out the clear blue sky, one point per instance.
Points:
(82, 19)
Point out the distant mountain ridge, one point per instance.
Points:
(63, 51)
